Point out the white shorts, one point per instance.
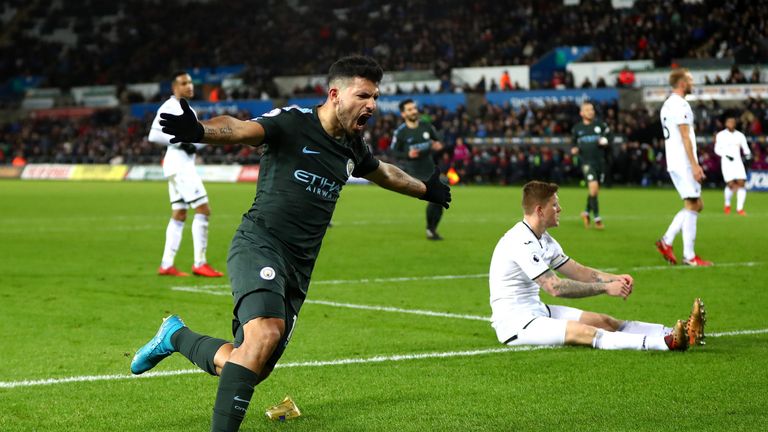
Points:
(685, 184)
(537, 329)
(186, 190)
(733, 171)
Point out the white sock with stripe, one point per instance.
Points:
(627, 341)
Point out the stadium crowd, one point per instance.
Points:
(637, 156)
(413, 35)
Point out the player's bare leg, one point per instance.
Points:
(607, 322)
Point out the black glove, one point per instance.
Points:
(748, 160)
(185, 128)
(189, 148)
(437, 192)
(730, 158)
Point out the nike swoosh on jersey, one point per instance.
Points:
(306, 150)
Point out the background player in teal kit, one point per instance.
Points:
(310, 153)
(592, 140)
(414, 143)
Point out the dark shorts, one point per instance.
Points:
(593, 171)
(264, 284)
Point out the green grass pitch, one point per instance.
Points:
(79, 294)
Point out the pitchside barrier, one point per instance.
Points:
(209, 173)
(757, 180)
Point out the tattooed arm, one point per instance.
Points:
(569, 288)
(576, 271)
(229, 130)
(393, 178)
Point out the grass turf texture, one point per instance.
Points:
(79, 295)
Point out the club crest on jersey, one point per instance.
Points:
(425, 135)
(597, 129)
(267, 273)
(535, 259)
(350, 167)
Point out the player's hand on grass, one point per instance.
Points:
(618, 288)
(437, 191)
(185, 128)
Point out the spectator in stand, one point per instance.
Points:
(626, 77)
(506, 82)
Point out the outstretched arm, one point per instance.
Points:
(393, 178)
(218, 130)
(229, 130)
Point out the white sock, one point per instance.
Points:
(620, 340)
(172, 241)
(741, 196)
(674, 227)
(644, 328)
(728, 194)
(200, 238)
(617, 340)
(689, 234)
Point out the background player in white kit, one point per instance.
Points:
(185, 187)
(729, 145)
(683, 167)
(523, 262)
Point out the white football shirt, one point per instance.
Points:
(676, 111)
(519, 258)
(176, 160)
(731, 144)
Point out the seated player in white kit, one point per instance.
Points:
(729, 145)
(524, 262)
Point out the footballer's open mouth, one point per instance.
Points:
(362, 120)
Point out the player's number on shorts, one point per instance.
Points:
(666, 129)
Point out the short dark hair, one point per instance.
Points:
(403, 103)
(177, 74)
(356, 66)
(537, 193)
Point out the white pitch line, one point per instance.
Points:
(399, 310)
(443, 314)
(354, 306)
(477, 275)
(316, 363)
(737, 333)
